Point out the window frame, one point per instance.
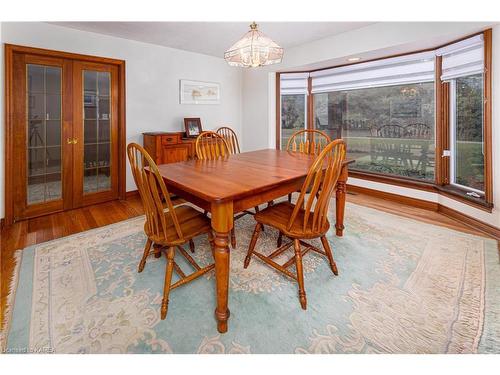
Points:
(442, 182)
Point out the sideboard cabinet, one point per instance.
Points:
(169, 147)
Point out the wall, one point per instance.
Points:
(152, 80)
(377, 40)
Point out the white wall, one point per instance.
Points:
(152, 80)
(372, 41)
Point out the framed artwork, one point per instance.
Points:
(193, 126)
(197, 92)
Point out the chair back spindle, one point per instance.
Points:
(211, 146)
(315, 195)
(308, 141)
(231, 139)
(152, 189)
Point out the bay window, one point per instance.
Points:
(420, 120)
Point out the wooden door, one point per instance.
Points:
(41, 123)
(95, 130)
(65, 125)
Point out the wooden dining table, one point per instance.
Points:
(231, 185)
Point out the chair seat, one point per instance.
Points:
(191, 221)
(278, 216)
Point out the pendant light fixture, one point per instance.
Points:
(254, 49)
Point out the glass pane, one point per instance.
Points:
(90, 82)
(104, 108)
(53, 132)
(469, 158)
(90, 156)
(36, 106)
(97, 154)
(293, 116)
(388, 130)
(104, 131)
(36, 133)
(36, 189)
(53, 111)
(53, 80)
(53, 159)
(53, 186)
(36, 78)
(103, 155)
(36, 161)
(90, 131)
(103, 85)
(90, 107)
(90, 180)
(104, 179)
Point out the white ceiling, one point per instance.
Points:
(213, 38)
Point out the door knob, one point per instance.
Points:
(72, 141)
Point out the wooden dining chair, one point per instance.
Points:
(231, 139)
(167, 226)
(307, 219)
(307, 141)
(210, 145)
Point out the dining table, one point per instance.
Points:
(231, 185)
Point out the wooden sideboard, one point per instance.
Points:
(169, 147)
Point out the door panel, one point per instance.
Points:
(96, 133)
(40, 181)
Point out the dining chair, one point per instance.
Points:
(231, 139)
(210, 145)
(167, 226)
(307, 141)
(306, 219)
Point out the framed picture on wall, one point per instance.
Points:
(197, 92)
(193, 126)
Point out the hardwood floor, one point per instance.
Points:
(46, 228)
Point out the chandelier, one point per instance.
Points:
(254, 49)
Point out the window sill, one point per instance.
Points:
(449, 191)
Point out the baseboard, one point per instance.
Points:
(415, 202)
(479, 225)
(131, 194)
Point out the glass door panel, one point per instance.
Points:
(43, 133)
(96, 130)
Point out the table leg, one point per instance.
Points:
(222, 223)
(340, 201)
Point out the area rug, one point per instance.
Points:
(403, 287)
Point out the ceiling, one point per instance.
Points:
(213, 38)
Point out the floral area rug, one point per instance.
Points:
(403, 287)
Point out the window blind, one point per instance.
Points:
(462, 58)
(293, 83)
(418, 67)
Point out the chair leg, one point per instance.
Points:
(191, 245)
(329, 254)
(255, 235)
(280, 239)
(157, 250)
(168, 281)
(147, 248)
(300, 274)
(233, 238)
(256, 209)
(290, 198)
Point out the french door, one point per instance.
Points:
(64, 133)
